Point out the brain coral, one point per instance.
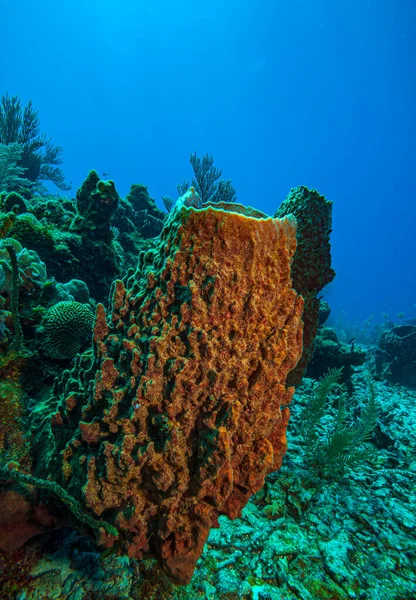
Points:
(183, 412)
(66, 326)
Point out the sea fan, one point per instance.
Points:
(11, 176)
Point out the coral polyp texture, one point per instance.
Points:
(182, 412)
(66, 325)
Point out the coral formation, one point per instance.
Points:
(100, 228)
(302, 537)
(207, 183)
(66, 326)
(97, 202)
(311, 268)
(396, 354)
(330, 353)
(14, 202)
(32, 271)
(40, 159)
(75, 289)
(147, 217)
(182, 413)
(178, 411)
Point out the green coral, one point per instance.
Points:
(11, 172)
(33, 233)
(311, 267)
(36, 156)
(14, 202)
(66, 326)
(97, 201)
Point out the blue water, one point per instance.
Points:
(281, 93)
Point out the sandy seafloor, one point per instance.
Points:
(302, 537)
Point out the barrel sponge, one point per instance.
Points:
(66, 326)
(186, 414)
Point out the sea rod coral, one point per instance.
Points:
(182, 411)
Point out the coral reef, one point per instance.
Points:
(182, 412)
(302, 537)
(178, 411)
(311, 268)
(40, 159)
(66, 327)
(100, 228)
(207, 183)
(395, 357)
(96, 203)
(330, 353)
(11, 174)
(147, 217)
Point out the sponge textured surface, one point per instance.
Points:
(186, 414)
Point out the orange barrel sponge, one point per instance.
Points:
(186, 411)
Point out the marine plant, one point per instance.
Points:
(207, 180)
(207, 183)
(39, 158)
(345, 445)
(11, 174)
